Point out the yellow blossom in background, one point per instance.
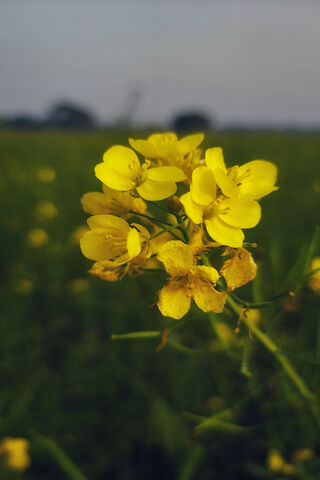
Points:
(46, 174)
(316, 186)
(187, 281)
(113, 240)
(15, 451)
(46, 210)
(79, 285)
(223, 217)
(303, 455)
(288, 469)
(23, 286)
(112, 202)
(254, 179)
(314, 282)
(37, 237)
(166, 146)
(78, 233)
(253, 317)
(121, 170)
(275, 461)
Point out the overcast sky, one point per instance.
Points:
(239, 60)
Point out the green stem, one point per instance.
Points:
(191, 466)
(136, 335)
(272, 347)
(276, 298)
(62, 460)
(213, 322)
(154, 220)
(160, 207)
(169, 230)
(181, 228)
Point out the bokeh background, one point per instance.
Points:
(76, 78)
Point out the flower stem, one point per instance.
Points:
(276, 298)
(281, 357)
(155, 220)
(61, 459)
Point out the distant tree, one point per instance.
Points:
(191, 121)
(21, 122)
(69, 115)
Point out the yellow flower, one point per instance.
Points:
(166, 146)
(303, 455)
(16, 452)
(239, 269)
(46, 174)
(24, 286)
(275, 461)
(253, 179)
(37, 237)
(121, 170)
(314, 282)
(187, 281)
(79, 285)
(46, 210)
(223, 217)
(113, 240)
(112, 202)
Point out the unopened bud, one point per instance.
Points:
(174, 204)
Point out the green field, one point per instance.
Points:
(120, 409)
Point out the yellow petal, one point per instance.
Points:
(166, 174)
(113, 179)
(192, 209)
(214, 159)
(133, 243)
(165, 137)
(208, 273)
(108, 223)
(240, 212)
(120, 168)
(259, 178)
(94, 247)
(94, 203)
(166, 144)
(177, 258)
(173, 300)
(203, 186)
(228, 187)
(154, 191)
(223, 233)
(145, 147)
(239, 270)
(207, 298)
(142, 230)
(190, 142)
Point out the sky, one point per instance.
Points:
(240, 61)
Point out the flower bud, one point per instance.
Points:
(174, 204)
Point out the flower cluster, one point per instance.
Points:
(207, 207)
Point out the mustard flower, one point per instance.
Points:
(112, 202)
(314, 282)
(15, 451)
(37, 237)
(113, 240)
(187, 280)
(166, 145)
(223, 217)
(254, 179)
(122, 171)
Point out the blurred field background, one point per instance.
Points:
(121, 409)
